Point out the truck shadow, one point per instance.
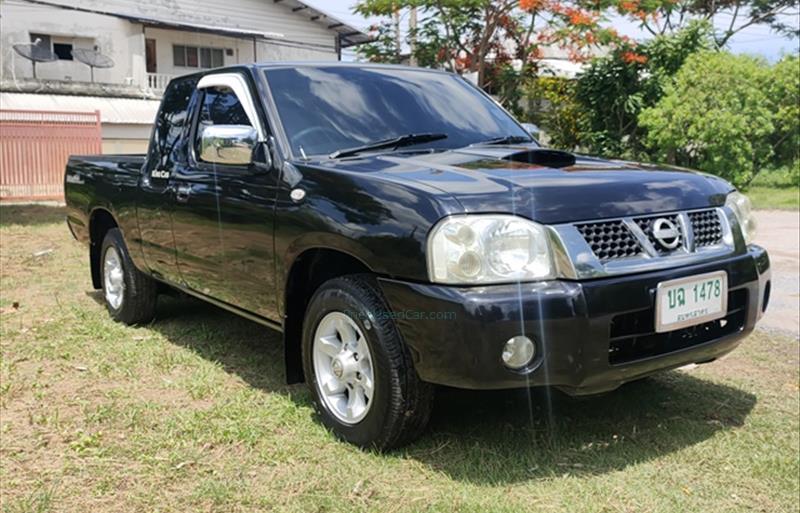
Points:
(495, 437)
(517, 435)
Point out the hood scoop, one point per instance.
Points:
(543, 157)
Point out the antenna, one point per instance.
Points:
(93, 59)
(34, 52)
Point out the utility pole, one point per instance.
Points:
(397, 41)
(412, 31)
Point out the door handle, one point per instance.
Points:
(182, 193)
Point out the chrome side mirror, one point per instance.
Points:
(228, 144)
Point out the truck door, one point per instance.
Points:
(168, 151)
(234, 261)
(247, 218)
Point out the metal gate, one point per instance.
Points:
(35, 146)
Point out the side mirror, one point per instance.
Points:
(228, 144)
(263, 158)
(532, 129)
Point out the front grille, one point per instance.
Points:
(610, 240)
(624, 238)
(706, 227)
(646, 225)
(633, 336)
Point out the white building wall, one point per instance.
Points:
(276, 51)
(165, 39)
(122, 40)
(117, 38)
(259, 15)
(242, 49)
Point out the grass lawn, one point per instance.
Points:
(191, 414)
(774, 198)
(774, 190)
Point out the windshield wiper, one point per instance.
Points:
(506, 139)
(393, 143)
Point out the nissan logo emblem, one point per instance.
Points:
(666, 233)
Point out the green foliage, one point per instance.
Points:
(616, 88)
(716, 117)
(612, 93)
(553, 107)
(784, 94)
(783, 177)
(382, 47)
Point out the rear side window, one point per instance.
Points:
(171, 120)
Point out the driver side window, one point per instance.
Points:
(220, 106)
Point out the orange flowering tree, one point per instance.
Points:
(665, 17)
(499, 41)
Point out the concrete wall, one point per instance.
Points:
(124, 146)
(125, 137)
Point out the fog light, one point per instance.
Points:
(518, 352)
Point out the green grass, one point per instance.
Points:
(774, 198)
(190, 413)
(775, 190)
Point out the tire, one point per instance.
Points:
(400, 403)
(130, 295)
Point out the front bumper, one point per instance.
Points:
(591, 336)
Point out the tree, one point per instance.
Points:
(717, 116)
(615, 89)
(553, 107)
(498, 40)
(662, 17)
(784, 94)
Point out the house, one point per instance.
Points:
(147, 42)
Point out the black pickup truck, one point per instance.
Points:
(403, 231)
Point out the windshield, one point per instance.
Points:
(324, 109)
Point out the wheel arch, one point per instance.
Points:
(101, 220)
(311, 268)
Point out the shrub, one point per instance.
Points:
(716, 116)
(615, 89)
(784, 94)
(552, 106)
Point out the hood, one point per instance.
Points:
(547, 186)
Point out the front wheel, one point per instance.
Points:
(360, 373)
(129, 294)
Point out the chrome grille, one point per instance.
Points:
(646, 225)
(610, 240)
(596, 248)
(706, 227)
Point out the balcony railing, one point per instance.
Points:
(158, 81)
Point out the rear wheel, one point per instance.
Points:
(358, 368)
(129, 294)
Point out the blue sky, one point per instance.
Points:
(756, 40)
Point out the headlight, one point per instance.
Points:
(479, 249)
(743, 210)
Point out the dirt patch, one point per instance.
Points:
(779, 232)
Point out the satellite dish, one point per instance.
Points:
(34, 52)
(92, 58)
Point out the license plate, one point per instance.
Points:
(691, 300)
